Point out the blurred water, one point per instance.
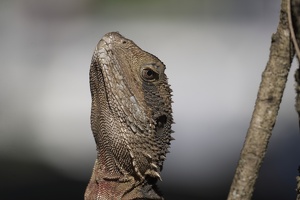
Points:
(215, 52)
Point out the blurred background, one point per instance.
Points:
(215, 52)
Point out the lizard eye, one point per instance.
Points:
(149, 74)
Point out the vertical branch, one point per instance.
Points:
(294, 24)
(298, 185)
(297, 89)
(265, 112)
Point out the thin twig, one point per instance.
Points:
(297, 79)
(291, 27)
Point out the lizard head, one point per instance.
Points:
(131, 107)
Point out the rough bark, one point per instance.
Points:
(265, 112)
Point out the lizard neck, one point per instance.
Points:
(105, 185)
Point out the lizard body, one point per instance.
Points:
(131, 119)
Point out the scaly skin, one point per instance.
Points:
(131, 120)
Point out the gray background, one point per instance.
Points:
(215, 52)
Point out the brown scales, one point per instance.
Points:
(131, 120)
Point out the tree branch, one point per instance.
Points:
(294, 23)
(265, 112)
